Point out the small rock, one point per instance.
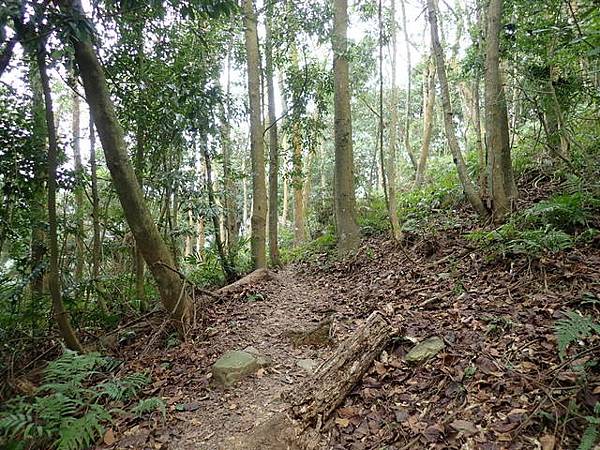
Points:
(235, 365)
(425, 350)
(308, 365)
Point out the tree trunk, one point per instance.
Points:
(391, 181)
(60, 312)
(502, 185)
(38, 204)
(76, 130)
(96, 239)
(468, 187)
(200, 238)
(229, 196)
(298, 184)
(152, 246)
(408, 89)
(273, 145)
(427, 124)
(259, 190)
(345, 216)
(285, 201)
(140, 266)
(228, 270)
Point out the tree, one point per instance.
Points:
(429, 103)
(151, 244)
(273, 142)
(257, 152)
(463, 175)
(502, 189)
(79, 233)
(391, 164)
(60, 312)
(345, 216)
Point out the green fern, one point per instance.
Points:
(82, 432)
(71, 406)
(149, 405)
(589, 438)
(574, 328)
(124, 388)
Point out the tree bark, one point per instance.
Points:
(152, 246)
(391, 175)
(427, 124)
(39, 200)
(76, 131)
(257, 152)
(96, 239)
(345, 216)
(502, 190)
(467, 185)
(228, 270)
(229, 195)
(273, 144)
(60, 312)
(298, 185)
(408, 89)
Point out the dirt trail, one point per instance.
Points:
(202, 415)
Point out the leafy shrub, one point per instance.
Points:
(71, 407)
(322, 244)
(571, 329)
(373, 218)
(567, 212)
(552, 225)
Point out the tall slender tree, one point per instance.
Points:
(345, 201)
(503, 189)
(152, 246)
(257, 149)
(273, 142)
(438, 52)
(429, 103)
(58, 306)
(391, 163)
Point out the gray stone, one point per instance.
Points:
(425, 350)
(308, 365)
(235, 365)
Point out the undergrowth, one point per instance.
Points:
(578, 330)
(78, 397)
(559, 223)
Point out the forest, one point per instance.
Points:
(282, 224)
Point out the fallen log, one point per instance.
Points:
(257, 276)
(315, 400)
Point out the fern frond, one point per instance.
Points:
(572, 329)
(124, 388)
(589, 438)
(81, 433)
(149, 405)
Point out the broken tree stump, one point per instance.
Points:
(253, 277)
(314, 401)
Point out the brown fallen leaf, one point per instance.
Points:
(548, 442)
(342, 422)
(464, 426)
(109, 437)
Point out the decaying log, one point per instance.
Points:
(314, 401)
(253, 277)
(322, 393)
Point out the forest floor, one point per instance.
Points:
(499, 383)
